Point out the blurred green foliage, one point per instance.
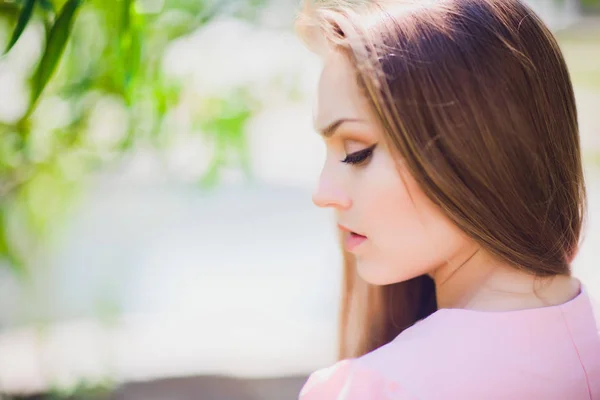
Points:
(584, 4)
(590, 4)
(94, 50)
(83, 390)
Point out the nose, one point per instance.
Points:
(329, 195)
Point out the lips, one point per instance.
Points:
(352, 239)
(348, 230)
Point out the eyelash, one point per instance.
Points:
(359, 157)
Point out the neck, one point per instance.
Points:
(477, 281)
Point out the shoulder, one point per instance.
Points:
(350, 380)
(383, 374)
(401, 369)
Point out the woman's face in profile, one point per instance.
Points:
(394, 231)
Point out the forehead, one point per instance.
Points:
(338, 93)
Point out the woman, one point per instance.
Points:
(460, 200)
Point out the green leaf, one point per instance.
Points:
(131, 47)
(24, 18)
(126, 16)
(47, 5)
(57, 40)
(9, 8)
(11, 11)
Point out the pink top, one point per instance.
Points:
(543, 353)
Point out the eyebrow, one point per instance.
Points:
(330, 129)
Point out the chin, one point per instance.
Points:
(378, 275)
(381, 275)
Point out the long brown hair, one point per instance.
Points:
(476, 98)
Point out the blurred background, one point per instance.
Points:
(157, 236)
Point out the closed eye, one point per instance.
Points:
(359, 157)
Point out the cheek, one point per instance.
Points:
(409, 234)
